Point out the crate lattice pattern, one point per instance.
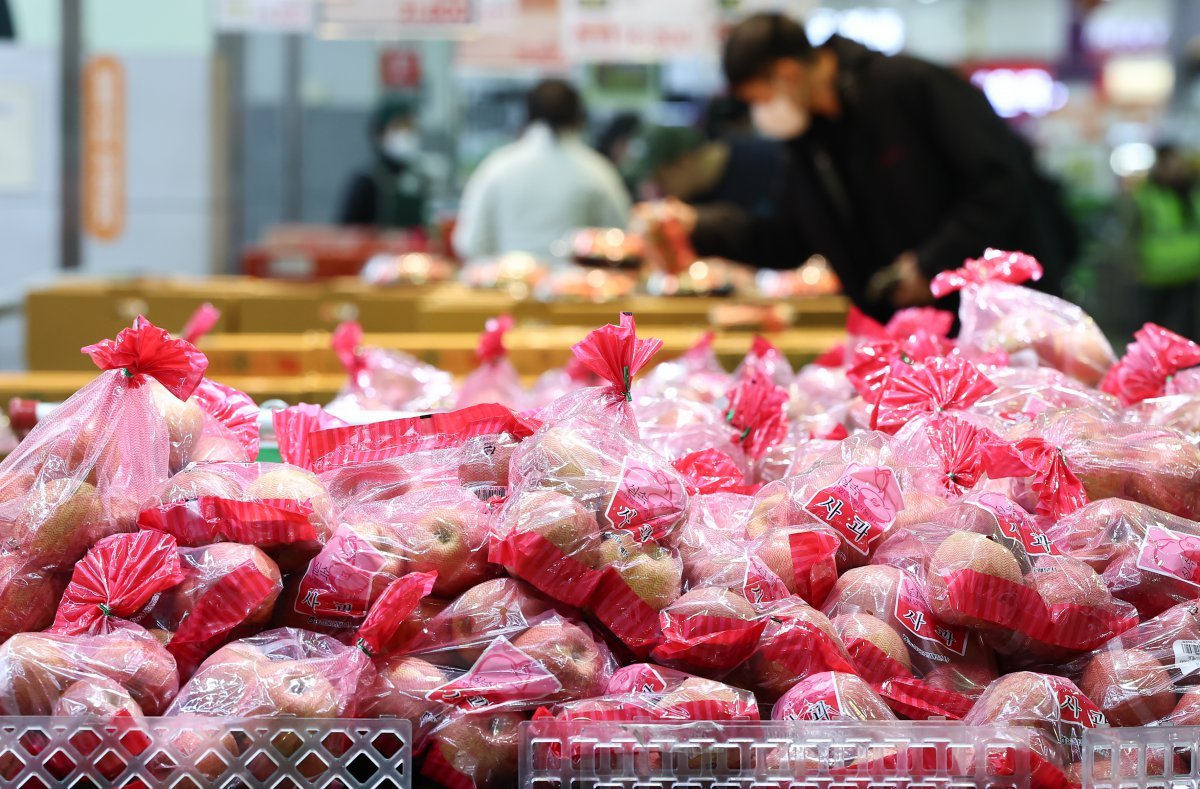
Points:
(779, 755)
(193, 752)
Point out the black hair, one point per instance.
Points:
(555, 103)
(759, 41)
(623, 126)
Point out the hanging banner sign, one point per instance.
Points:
(623, 31)
(104, 148)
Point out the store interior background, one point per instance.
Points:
(229, 132)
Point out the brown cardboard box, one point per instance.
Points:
(268, 354)
(61, 321)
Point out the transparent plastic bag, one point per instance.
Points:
(495, 380)
(282, 509)
(1140, 677)
(988, 566)
(80, 475)
(921, 666)
(831, 696)
(1145, 556)
(592, 511)
(382, 380)
(1056, 711)
(997, 314)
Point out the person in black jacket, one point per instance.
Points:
(391, 193)
(899, 169)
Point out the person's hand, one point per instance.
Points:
(902, 284)
(651, 215)
(912, 286)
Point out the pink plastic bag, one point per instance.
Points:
(997, 314)
(381, 380)
(591, 509)
(495, 380)
(1146, 557)
(81, 473)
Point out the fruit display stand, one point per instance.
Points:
(779, 754)
(193, 751)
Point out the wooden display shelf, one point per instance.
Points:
(533, 350)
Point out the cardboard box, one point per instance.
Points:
(269, 355)
(61, 321)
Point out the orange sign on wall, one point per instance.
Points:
(104, 148)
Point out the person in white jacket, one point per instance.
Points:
(531, 193)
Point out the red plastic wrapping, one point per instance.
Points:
(294, 424)
(937, 385)
(673, 428)
(190, 599)
(965, 453)
(1150, 361)
(382, 380)
(832, 696)
(616, 354)
(118, 576)
(280, 508)
(756, 414)
(495, 380)
(201, 322)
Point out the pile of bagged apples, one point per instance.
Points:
(996, 529)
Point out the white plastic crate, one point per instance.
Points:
(43, 752)
(780, 755)
(1150, 757)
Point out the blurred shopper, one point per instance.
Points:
(614, 143)
(391, 193)
(678, 162)
(8, 30)
(1167, 232)
(899, 169)
(531, 193)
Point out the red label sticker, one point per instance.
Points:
(641, 678)
(503, 673)
(913, 612)
(822, 704)
(1170, 553)
(1017, 527)
(343, 579)
(860, 506)
(648, 502)
(1076, 710)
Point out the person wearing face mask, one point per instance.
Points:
(898, 169)
(528, 195)
(391, 193)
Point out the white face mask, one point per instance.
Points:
(400, 144)
(779, 118)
